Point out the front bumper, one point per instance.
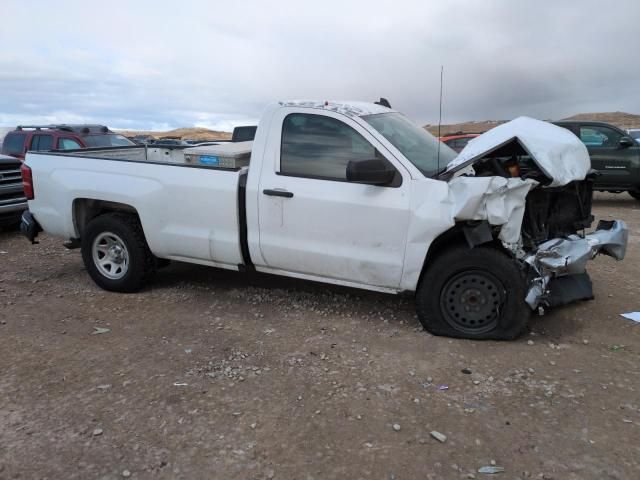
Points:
(10, 211)
(561, 262)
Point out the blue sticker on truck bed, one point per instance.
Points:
(209, 160)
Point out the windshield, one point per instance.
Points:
(635, 134)
(111, 140)
(415, 143)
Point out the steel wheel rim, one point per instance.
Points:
(472, 301)
(110, 255)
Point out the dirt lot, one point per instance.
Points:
(212, 374)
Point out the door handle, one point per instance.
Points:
(278, 193)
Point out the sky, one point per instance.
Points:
(165, 64)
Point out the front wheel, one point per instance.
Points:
(473, 293)
(116, 254)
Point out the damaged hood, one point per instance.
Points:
(559, 154)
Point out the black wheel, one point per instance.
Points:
(635, 194)
(116, 253)
(473, 293)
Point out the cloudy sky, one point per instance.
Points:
(162, 64)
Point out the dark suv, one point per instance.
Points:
(614, 154)
(60, 137)
(12, 199)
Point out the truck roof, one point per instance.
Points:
(349, 108)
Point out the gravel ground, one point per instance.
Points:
(214, 374)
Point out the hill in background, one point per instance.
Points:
(619, 119)
(195, 133)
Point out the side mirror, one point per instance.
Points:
(626, 142)
(372, 172)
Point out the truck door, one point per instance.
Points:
(615, 161)
(315, 223)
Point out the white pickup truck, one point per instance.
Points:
(351, 194)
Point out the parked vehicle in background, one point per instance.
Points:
(40, 138)
(614, 154)
(352, 194)
(244, 134)
(634, 133)
(142, 139)
(12, 198)
(458, 141)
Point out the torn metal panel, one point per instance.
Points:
(569, 256)
(498, 200)
(562, 256)
(611, 236)
(437, 206)
(559, 154)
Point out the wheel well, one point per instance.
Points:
(86, 209)
(456, 236)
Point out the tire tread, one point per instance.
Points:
(142, 261)
(460, 257)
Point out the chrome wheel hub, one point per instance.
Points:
(110, 255)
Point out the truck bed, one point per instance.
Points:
(141, 153)
(189, 212)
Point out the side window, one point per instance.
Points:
(597, 136)
(68, 144)
(41, 142)
(320, 147)
(462, 142)
(13, 144)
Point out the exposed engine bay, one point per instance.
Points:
(550, 212)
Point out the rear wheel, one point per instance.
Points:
(116, 253)
(473, 293)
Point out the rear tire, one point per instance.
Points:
(473, 293)
(116, 254)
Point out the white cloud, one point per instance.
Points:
(139, 64)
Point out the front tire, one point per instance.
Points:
(473, 293)
(116, 254)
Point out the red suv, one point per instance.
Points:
(60, 137)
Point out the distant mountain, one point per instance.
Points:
(620, 119)
(465, 127)
(194, 133)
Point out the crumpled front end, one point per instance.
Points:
(533, 182)
(560, 264)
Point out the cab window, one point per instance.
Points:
(68, 144)
(317, 146)
(600, 136)
(13, 144)
(41, 142)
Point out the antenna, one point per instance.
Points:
(440, 115)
